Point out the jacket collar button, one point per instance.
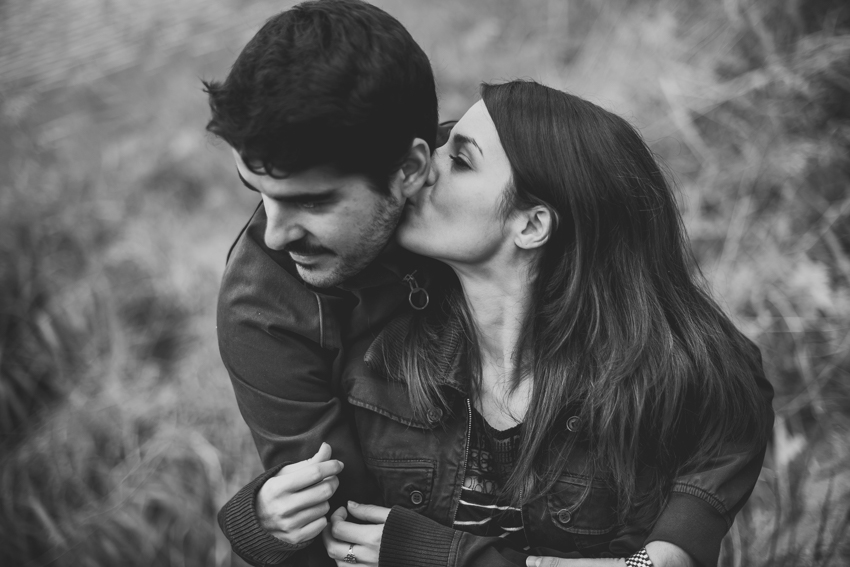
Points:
(435, 415)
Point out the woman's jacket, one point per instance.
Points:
(419, 464)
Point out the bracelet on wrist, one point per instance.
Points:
(639, 559)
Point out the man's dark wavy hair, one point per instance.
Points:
(336, 83)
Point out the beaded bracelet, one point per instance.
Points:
(639, 559)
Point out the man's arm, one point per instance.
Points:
(279, 341)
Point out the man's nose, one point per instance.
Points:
(282, 226)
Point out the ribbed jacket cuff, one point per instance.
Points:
(239, 523)
(412, 540)
(694, 525)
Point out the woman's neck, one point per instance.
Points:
(498, 295)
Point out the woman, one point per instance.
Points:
(577, 394)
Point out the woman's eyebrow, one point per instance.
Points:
(461, 139)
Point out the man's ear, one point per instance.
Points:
(413, 172)
(534, 227)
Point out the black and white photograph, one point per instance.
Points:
(425, 283)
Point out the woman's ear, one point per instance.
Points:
(413, 172)
(535, 226)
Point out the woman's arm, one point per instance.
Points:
(399, 537)
(661, 553)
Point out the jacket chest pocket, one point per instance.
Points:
(590, 517)
(407, 483)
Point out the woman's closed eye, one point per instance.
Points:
(458, 162)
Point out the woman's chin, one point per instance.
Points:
(415, 239)
(406, 238)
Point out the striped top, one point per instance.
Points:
(482, 510)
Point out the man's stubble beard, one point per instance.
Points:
(374, 238)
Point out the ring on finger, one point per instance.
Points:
(350, 558)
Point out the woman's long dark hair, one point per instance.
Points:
(619, 332)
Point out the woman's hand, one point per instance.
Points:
(362, 540)
(662, 554)
(292, 504)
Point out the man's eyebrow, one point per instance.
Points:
(245, 182)
(304, 197)
(461, 139)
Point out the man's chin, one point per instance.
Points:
(318, 277)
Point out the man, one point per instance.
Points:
(331, 113)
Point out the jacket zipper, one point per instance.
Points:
(465, 455)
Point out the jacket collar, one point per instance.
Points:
(384, 354)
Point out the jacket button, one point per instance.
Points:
(416, 498)
(564, 516)
(574, 423)
(435, 415)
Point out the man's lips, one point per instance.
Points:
(306, 259)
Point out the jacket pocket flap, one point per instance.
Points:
(574, 512)
(405, 483)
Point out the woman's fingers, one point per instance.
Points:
(339, 514)
(364, 534)
(313, 495)
(368, 512)
(313, 529)
(323, 454)
(327, 538)
(301, 478)
(338, 550)
(292, 523)
(284, 509)
(289, 504)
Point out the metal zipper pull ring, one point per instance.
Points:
(416, 292)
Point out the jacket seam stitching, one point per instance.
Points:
(702, 494)
(399, 461)
(355, 402)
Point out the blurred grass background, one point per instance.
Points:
(119, 434)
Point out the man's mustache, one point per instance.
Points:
(303, 248)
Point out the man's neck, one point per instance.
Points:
(392, 262)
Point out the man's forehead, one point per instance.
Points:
(316, 180)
